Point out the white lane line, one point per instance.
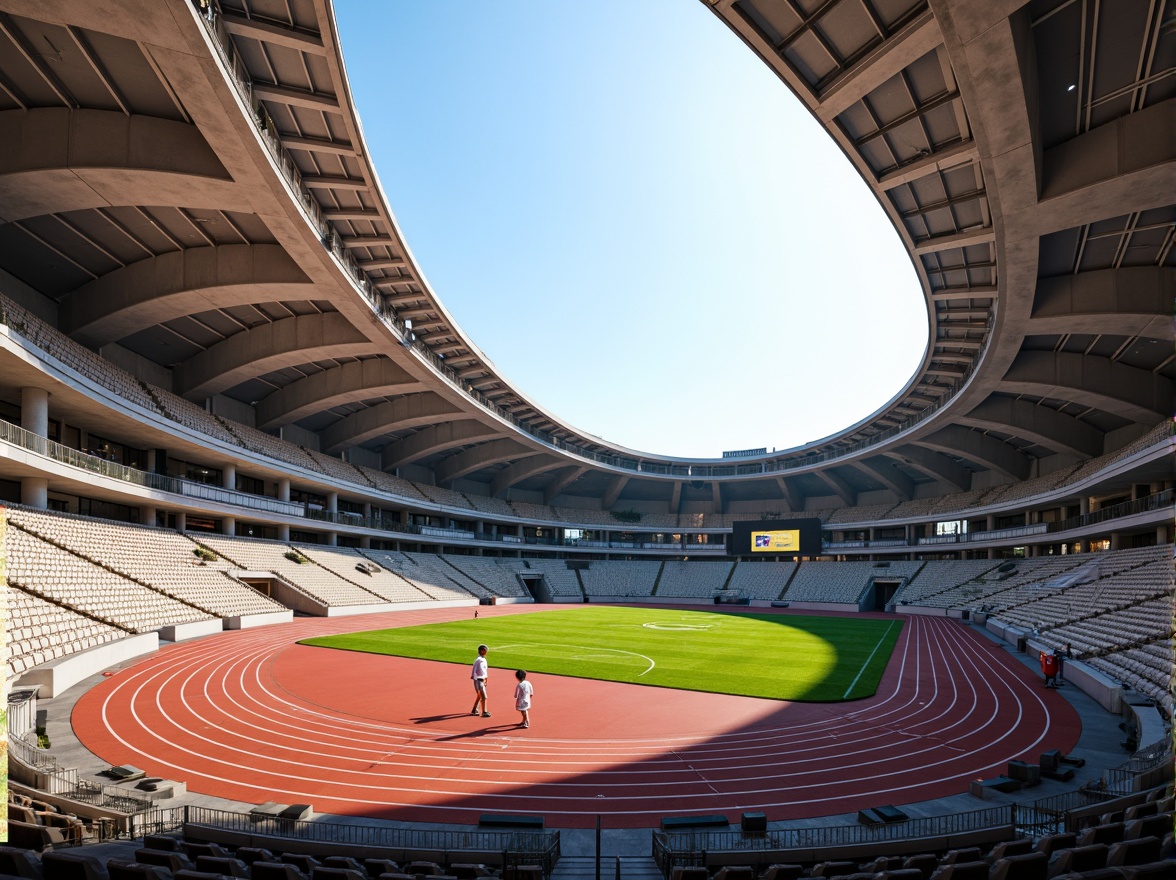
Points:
(865, 665)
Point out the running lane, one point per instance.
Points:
(251, 716)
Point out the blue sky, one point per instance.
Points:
(634, 219)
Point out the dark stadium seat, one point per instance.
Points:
(322, 872)
(17, 862)
(925, 863)
(782, 872)
(33, 836)
(122, 869)
(1156, 825)
(301, 861)
(967, 854)
(251, 854)
(376, 867)
(900, 874)
(977, 870)
(834, 869)
(169, 859)
(1079, 858)
(71, 866)
(344, 862)
(1139, 811)
(1134, 852)
(1009, 848)
(228, 867)
(275, 871)
(1160, 870)
(1111, 832)
(736, 872)
(1025, 866)
(1052, 843)
(194, 850)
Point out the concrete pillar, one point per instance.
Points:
(367, 511)
(1084, 505)
(147, 516)
(284, 489)
(181, 521)
(34, 411)
(229, 525)
(332, 502)
(150, 464)
(992, 553)
(1164, 533)
(34, 492)
(332, 539)
(229, 477)
(1116, 541)
(284, 532)
(365, 542)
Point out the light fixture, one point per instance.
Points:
(1071, 87)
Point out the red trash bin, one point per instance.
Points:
(1049, 667)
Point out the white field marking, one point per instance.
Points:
(861, 671)
(680, 627)
(589, 656)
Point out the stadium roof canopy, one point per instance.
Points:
(186, 189)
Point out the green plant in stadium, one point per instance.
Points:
(775, 656)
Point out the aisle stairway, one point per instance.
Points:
(584, 868)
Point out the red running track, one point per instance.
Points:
(251, 716)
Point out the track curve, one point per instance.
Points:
(251, 716)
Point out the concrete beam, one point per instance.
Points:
(562, 480)
(886, 470)
(981, 448)
(910, 43)
(269, 347)
(1134, 301)
(840, 488)
(295, 97)
(160, 289)
(275, 34)
(954, 241)
(1128, 392)
(522, 470)
(347, 383)
(414, 411)
(613, 491)
(436, 438)
(937, 466)
(54, 160)
(792, 494)
(477, 457)
(1038, 424)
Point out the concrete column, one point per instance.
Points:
(992, 553)
(367, 511)
(34, 492)
(181, 521)
(1084, 505)
(229, 477)
(1164, 533)
(147, 516)
(365, 542)
(284, 532)
(1116, 541)
(332, 502)
(332, 539)
(34, 411)
(284, 489)
(229, 525)
(150, 464)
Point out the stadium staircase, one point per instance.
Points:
(611, 868)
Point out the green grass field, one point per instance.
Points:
(781, 657)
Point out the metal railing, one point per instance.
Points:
(520, 847)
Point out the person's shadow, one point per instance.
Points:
(496, 728)
(430, 719)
